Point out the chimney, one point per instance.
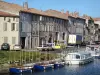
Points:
(75, 14)
(25, 5)
(67, 13)
(62, 11)
(72, 14)
(41, 10)
(84, 15)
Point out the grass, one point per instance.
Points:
(24, 57)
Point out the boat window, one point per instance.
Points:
(95, 49)
(77, 57)
(92, 48)
(82, 57)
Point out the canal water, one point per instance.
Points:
(88, 69)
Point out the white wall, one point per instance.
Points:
(9, 33)
(98, 22)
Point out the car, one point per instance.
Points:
(17, 47)
(5, 46)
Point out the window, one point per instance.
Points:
(5, 39)
(40, 18)
(8, 19)
(5, 27)
(77, 57)
(63, 38)
(20, 26)
(43, 18)
(73, 22)
(14, 19)
(17, 27)
(35, 41)
(12, 26)
(4, 18)
(17, 19)
(46, 27)
(13, 40)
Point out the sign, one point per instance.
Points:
(72, 39)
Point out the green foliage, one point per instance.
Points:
(91, 20)
(22, 56)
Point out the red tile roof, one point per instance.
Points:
(51, 13)
(57, 14)
(10, 7)
(15, 8)
(5, 14)
(96, 19)
(34, 11)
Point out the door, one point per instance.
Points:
(23, 42)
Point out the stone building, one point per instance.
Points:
(76, 24)
(97, 21)
(91, 29)
(40, 27)
(10, 7)
(9, 29)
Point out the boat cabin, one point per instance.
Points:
(94, 48)
(78, 55)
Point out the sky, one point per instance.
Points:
(89, 7)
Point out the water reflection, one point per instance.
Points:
(89, 69)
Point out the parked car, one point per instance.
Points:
(5, 46)
(17, 47)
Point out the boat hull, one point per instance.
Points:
(16, 70)
(59, 65)
(79, 62)
(42, 68)
(96, 57)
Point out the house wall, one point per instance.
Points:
(43, 27)
(76, 26)
(9, 33)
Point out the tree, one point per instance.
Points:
(91, 20)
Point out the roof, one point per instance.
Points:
(34, 11)
(96, 19)
(10, 7)
(80, 53)
(5, 14)
(92, 45)
(50, 13)
(57, 14)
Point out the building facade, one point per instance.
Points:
(39, 28)
(97, 21)
(9, 30)
(76, 24)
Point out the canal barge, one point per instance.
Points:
(78, 58)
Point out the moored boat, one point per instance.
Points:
(59, 65)
(42, 67)
(16, 70)
(94, 50)
(78, 58)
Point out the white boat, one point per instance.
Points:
(94, 50)
(78, 58)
